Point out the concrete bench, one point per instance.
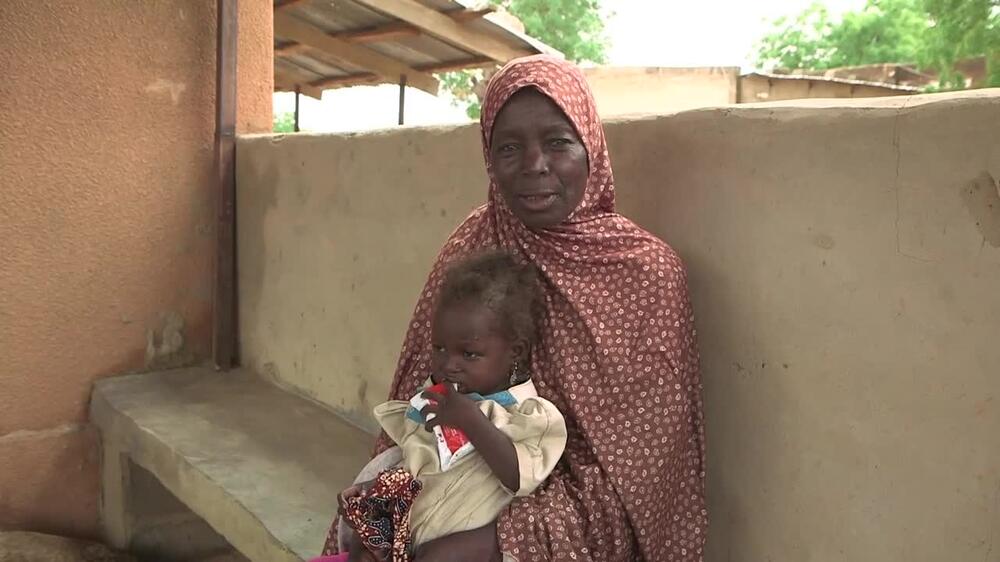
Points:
(242, 460)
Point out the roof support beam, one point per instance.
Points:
(292, 28)
(282, 4)
(287, 83)
(368, 78)
(387, 32)
(289, 49)
(445, 28)
(395, 30)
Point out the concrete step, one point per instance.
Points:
(261, 466)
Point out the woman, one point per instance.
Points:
(618, 355)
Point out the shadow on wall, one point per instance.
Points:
(66, 455)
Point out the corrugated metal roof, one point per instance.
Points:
(835, 80)
(322, 44)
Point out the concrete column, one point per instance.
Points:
(116, 518)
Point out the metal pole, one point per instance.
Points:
(297, 96)
(224, 309)
(402, 96)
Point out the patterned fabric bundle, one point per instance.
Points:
(381, 515)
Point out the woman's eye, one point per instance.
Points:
(509, 147)
(560, 142)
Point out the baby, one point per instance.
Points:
(484, 325)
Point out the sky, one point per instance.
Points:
(640, 33)
(696, 33)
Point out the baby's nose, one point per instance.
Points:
(453, 365)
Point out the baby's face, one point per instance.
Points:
(469, 351)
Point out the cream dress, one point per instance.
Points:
(468, 495)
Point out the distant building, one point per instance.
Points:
(650, 90)
(972, 69)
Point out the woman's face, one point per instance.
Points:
(539, 162)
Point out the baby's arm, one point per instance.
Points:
(457, 410)
(496, 449)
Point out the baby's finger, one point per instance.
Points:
(347, 493)
(431, 395)
(429, 411)
(430, 425)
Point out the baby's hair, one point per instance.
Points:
(508, 287)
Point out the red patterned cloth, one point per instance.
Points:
(381, 515)
(618, 357)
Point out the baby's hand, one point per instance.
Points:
(352, 491)
(452, 409)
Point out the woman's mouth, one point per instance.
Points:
(537, 202)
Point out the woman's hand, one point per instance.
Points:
(477, 544)
(452, 409)
(358, 553)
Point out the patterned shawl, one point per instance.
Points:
(617, 356)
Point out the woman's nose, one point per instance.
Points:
(535, 161)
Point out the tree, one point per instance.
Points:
(284, 122)
(962, 29)
(934, 34)
(574, 27)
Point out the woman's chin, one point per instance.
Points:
(541, 220)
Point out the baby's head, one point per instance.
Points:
(485, 323)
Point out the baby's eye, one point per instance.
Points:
(471, 355)
(437, 348)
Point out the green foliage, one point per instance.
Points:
(461, 84)
(962, 29)
(931, 33)
(284, 122)
(883, 31)
(574, 27)
(800, 41)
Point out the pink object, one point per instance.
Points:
(342, 557)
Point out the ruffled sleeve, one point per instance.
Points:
(538, 432)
